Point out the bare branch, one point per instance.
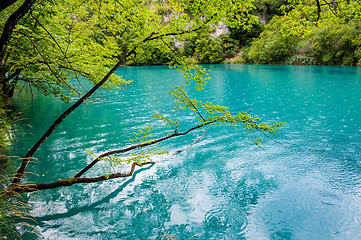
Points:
(67, 182)
(318, 9)
(182, 150)
(176, 134)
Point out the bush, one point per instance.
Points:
(335, 44)
(275, 44)
(190, 47)
(302, 37)
(5, 125)
(300, 60)
(152, 54)
(230, 45)
(238, 60)
(246, 36)
(209, 50)
(163, 11)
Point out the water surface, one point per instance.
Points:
(306, 184)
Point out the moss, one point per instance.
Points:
(69, 181)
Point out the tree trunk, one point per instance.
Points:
(10, 26)
(6, 3)
(7, 83)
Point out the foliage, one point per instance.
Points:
(335, 44)
(300, 60)
(55, 46)
(5, 126)
(230, 45)
(190, 46)
(209, 50)
(14, 215)
(163, 11)
(306, 35)
(272, 7)
(275, 44)
(155, 53)
(216, 115)
(245, 36)
(238, 60)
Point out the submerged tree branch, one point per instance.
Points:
(67, 182)
(77, 179)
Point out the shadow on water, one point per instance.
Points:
(75, 211)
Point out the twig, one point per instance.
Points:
(176, 134)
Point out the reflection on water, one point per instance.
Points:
(304, 185)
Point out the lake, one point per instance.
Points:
(304, 183)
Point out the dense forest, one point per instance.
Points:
(304, 32)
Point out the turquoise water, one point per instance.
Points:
(304, 185)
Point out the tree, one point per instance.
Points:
(209, 50)
(112, 18)
(312, 32)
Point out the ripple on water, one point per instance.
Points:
(357, 219)
(186, 207)
(329, 199)
(225, 222)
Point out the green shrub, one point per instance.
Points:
(230, 45)
(189, 47)
(209, 50)
(246, 36)
(5, 125)
(275, 44)
(163, 11)
(238, 60)
(335, 44)
(226, 61)
(300, 60)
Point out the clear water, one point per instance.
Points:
(304, 185)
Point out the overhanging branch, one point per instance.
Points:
(36, 146)
(67, 182)
(123, 150)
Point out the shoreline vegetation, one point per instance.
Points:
(287, 33)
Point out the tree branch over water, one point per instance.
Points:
(209, 113)
(36, 146)
(77, 178)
